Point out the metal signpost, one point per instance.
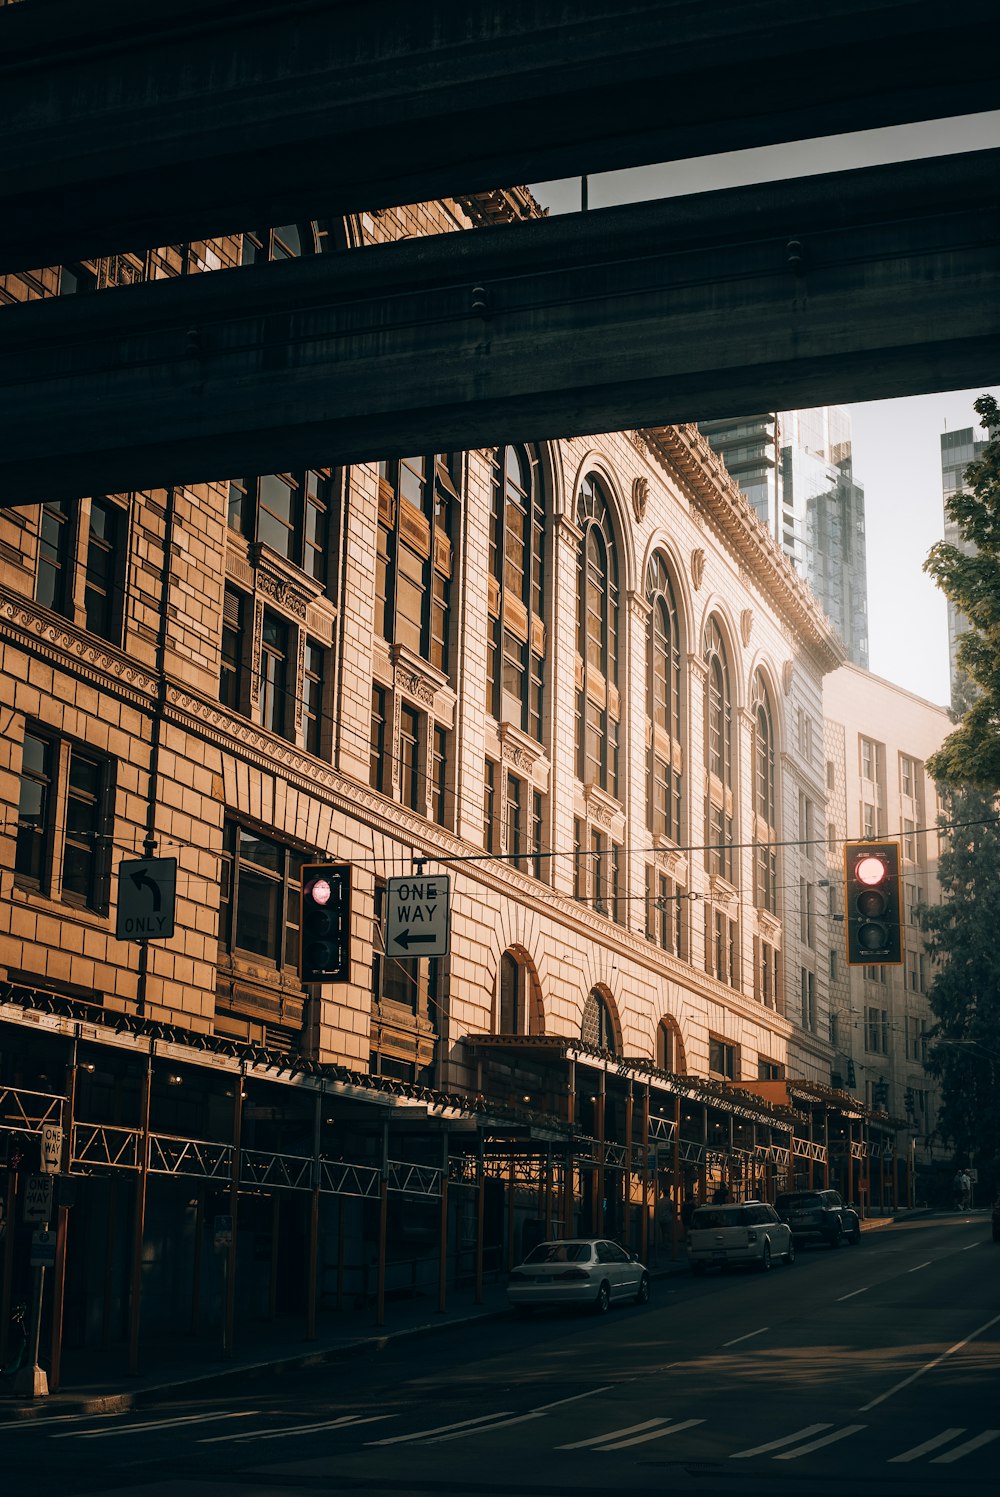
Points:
(147, 892)
(417, 916)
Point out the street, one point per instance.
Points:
(864, 1369)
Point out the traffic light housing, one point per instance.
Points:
(325, 931)
(872, 904)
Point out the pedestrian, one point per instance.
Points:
(721, 1196)
(687, 1210)
(664, 1218)
(961, 1186)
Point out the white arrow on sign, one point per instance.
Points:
(417, 916)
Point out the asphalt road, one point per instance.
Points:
(869, 1369)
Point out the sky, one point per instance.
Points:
(897, 450)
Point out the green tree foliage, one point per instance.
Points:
(964, 996)
(969, 575)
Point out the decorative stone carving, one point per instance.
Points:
(786, 676)
(697, 567)
(280, 591)
(415, 686)
(640, 496)
(746, 625)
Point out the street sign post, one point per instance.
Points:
(43, 1249)
(38, 1198)
(417, 916)
(147, 890)
(51, 1151)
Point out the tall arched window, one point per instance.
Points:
(517, 640)
(665, 754)
(719, 815)
(598, 713)
(598, 1026)
(418, 508)
(765, 817)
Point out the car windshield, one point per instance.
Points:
(560, 1252)
(719, 1216)
(804, 1198)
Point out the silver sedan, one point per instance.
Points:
(588, 1271)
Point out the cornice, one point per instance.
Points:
(719, 498)
(55, 640)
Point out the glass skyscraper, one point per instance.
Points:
(796, 470)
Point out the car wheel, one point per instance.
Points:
(698, 1269)
(837, 1240)
(642, 1293)
(855, 1237)
(790, 1255)
(603, 1299)
(765, 1258)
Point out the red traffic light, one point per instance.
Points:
(870, 870)
(872, 903)
(319, 891)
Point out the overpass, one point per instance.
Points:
(853, 285)
(126, 126)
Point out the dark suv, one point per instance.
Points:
(819, 1213)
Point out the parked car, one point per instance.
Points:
(749, 1232)
(588, 1271)
(819, 1214)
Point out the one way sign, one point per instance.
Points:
(416, 921)
(146, 895)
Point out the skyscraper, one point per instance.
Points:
(796, 469)
(958, 450)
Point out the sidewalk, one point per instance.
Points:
(96, 1382)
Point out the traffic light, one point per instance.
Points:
(325, 934)
(872, 909)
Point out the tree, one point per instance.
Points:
(964, 995)
(969, 575)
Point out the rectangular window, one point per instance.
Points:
(278, 500)
(514, 816)
(766, 975)
(769, 1070)
(808, 993)
(664, 911)
(869, 822)
(599, 862)
(915, 971)
(54, 574)
(540, 863)
(410, 781)
(261, 897)
(64, 848)
(378, 760)
(869, 760)
(34, 813)
(579, 861)
(491, 826)
(722, 1058)
(312, 696)
(907, 776)
(274, 659)
(104, 583)
(232, 654)
(877, 1031)
(874, 974)
(441, 757)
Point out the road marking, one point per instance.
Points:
(131, 1429)
(970, 1247)
(747, 1337)
(345, 1421)
(654, 1434)
(422, 1434)
(612, 1434)
(575, 1397)
(853, 1293)
(919, 1266)
(485, 1429)
(873, 1403)
(800, 1434)
(919, 1450)
(838, 1434)
(970, 1445)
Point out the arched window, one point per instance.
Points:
(598, 1027)
(670, 1047)
(765, 827)
(665, 754)
(418, 508)
(598, 713)
(517, 640)
(719, 816)
(511, 1008)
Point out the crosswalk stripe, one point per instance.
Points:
(974, 1444)
(612, 1434)
(838, 1434)
(423, 1434)
(242, 1436)
(800, 1434)
(486, 1429)
(919, 1450)
(654, 1434)
(149, 1424)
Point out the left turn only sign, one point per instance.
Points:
(147, 890)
